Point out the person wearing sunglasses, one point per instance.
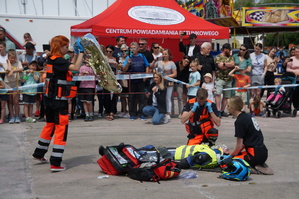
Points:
(157, 54)
(124, 98)
(243, 61)
(9, 44)
(143, 50)
(124, 49)
(259, 69)
(110, 103)
(156, 51)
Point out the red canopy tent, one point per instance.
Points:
(155, 19)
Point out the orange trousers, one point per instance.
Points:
(56, 126)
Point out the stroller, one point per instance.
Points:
(285, 103)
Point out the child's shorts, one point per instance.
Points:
(220, 85)
(87, 94)
(4, 97)
(242, 95)
(29, 99)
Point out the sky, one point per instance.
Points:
(85, 8)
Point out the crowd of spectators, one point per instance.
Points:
(197, 67)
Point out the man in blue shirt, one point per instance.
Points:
(136, 63)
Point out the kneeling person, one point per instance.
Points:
(156, 94)
(249, 139)
(199, 116)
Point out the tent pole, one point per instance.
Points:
(277, 39)
(235, 40)
(263, 39)
(252, 43)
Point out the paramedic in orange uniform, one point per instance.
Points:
(58, 89)
(199, 116)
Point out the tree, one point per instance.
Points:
(189, 2)
(281, 39)
(243, 3)
(278, 1)
(251, 3)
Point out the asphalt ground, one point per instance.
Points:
(24, 178)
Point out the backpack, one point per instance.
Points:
(150, 153)
(118, 159)
(161, 171)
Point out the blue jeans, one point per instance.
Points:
(154, 112)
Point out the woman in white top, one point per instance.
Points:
(259, 68)
(168, 69)
(3, 57)
(157, 54)
(272, 61)
(156, 51)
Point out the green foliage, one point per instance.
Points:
(281, 39)
(243, 3)
(180, 2)
(250, 3)
(278, 1)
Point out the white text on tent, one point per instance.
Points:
(157, 32)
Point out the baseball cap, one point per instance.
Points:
(226, 46)
(192, 36)
(67, 57)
